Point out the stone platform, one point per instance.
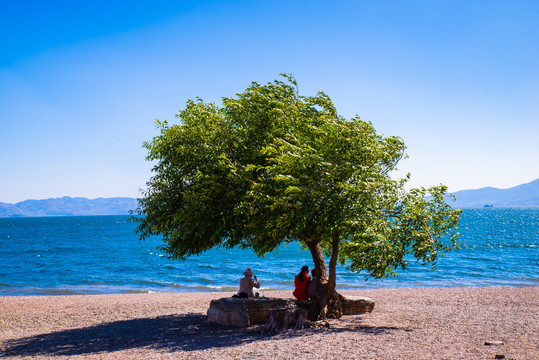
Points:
(243, 312)
(353, 305)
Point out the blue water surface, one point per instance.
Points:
(102, 254)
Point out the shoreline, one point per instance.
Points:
(407, 323)
(225, 292)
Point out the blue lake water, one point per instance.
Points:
(102, 254)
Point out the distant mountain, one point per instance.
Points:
(521, 195)
(68, 206)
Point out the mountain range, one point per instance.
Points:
(521, 195)
(69, 206)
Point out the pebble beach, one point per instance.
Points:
(413, 323)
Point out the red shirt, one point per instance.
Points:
(302, 288)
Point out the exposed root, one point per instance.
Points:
(282, 319)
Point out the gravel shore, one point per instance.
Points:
(418, 323)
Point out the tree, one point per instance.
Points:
(269, 167)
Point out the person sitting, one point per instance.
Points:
(312, 285)
(247, 283)
(301, 282)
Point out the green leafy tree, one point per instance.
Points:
(270, 167)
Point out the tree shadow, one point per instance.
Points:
(371, 330)
(175, 332)
(189, 332)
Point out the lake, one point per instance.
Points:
(102, 254)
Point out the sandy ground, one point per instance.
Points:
(429, 323)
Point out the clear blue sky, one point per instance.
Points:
(81, 83)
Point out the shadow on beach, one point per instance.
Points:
(171, 333)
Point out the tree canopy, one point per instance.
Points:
(270, 166)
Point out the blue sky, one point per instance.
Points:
(81, 83)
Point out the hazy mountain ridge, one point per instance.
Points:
(521, 195)
(68, 206)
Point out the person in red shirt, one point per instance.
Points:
(301, 282)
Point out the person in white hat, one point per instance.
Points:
(247, 283)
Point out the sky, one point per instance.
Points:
(81, 83)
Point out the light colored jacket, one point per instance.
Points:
(246, 285)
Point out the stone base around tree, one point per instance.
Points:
(354, 305)
(243, 312)
(351, 305)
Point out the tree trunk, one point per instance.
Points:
(327, 303)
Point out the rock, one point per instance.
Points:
(303, 304)
(493, 342)
(353, 305)
(243, 312)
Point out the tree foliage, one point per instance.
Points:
(270, 166)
